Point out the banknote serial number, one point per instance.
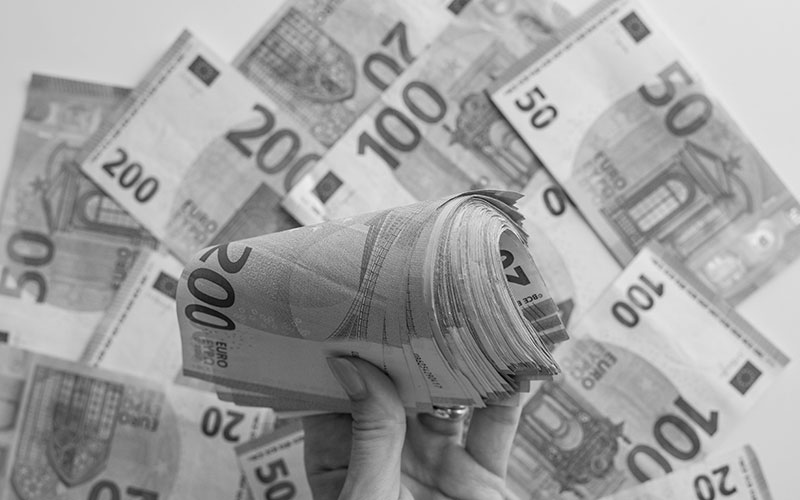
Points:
(130, 176)
(208, 314)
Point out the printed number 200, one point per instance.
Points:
(131, 177)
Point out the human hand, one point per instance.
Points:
(380, 453)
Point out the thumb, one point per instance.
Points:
(379, 428)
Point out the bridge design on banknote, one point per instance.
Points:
(71, 202)
(684, 203)
(568, 438)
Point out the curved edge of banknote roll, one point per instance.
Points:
(469, 333)
(442, 295)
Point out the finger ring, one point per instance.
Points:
(454, 413)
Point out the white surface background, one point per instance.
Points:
(747, 51)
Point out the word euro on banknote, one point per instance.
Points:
(624, 123)
(655, 373)
(442, 295)
(434, 133)
(74, 432)
(274, 464)
(734, 475)
(66, 245)
(326, 62)
(198, 154)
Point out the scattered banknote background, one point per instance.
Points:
(109, 189)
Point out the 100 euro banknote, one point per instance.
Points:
(433, 133)
(647, 153)
(654, 374)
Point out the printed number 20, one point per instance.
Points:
(520, 278)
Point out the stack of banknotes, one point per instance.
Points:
(421, 291)
(646, 210)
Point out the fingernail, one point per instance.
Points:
(349, 377)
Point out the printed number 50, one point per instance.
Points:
(269, 474)
(542, 115)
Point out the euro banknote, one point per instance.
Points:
(67, 246)
(274, 464)
(73, 432)
(198, 154)
(734, 475)
(442, 295)
(433, 132)
(46, 330)
(139, 333)
(325, 63)
(647, 151)
(654, 375)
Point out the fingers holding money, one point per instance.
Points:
(327, 453)
(378, 430)
(491, 434)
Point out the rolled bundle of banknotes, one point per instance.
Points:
(443, 295)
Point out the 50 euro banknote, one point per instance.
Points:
(442, 295)
(646, 151)
(70, 431)
(67, 246)
(274, 464)
(654, 375)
